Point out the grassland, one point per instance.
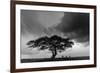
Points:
(55, 59)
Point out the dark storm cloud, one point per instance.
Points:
(71, 24)
(75, 26)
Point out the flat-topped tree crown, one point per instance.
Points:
(54, 44)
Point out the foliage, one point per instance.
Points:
(54, 44)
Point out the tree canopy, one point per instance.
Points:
(54, 44)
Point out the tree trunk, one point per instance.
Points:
(54, 53)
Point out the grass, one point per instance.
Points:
(55, 59)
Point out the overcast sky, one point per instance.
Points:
(35, 24)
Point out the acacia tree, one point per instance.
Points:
(54, 44)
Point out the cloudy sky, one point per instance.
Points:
(35, 24)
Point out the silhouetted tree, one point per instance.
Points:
(54, 44)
